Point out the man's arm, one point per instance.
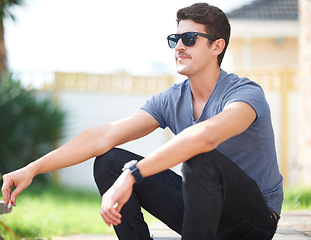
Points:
(90, 143)
(199, 138)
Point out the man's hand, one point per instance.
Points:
(116, 196)
(20, 179)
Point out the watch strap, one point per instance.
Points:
(131, 165)
(136, 173)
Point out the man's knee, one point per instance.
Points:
(113, 160)
(108, 167)
(203, 166)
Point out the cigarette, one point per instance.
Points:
(10, 205)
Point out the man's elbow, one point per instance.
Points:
(210, 143)
(209, 140)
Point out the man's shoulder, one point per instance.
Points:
(232, 82)
(177, 89)
(180, 85)
(235, 79)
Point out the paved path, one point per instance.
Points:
(292, 226)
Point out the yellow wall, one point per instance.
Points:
(255, 53)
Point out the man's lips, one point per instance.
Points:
(180, 57)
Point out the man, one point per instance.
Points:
(231, 186)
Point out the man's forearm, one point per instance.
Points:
(79, 149)
(181, 148)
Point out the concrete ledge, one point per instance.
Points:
(3, 208)
(292, 226)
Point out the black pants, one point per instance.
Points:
(214, 199)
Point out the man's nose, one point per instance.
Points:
(180, 46)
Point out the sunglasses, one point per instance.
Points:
(188, 38)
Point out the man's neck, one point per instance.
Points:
(203, 86)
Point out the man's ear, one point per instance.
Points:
(218, 46)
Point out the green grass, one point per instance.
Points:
(297, 198)
(51, 210)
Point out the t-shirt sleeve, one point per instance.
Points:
(252, 94)
(155, 107)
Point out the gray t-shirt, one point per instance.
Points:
(253, 150)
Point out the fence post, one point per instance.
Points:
(55, 94)
(285, 89)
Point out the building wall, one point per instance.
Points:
(255, 53)
(87, 109)
(304, 152)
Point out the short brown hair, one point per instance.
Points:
(215, 21)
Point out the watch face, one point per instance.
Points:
(130, 164)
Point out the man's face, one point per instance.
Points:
(192, 61)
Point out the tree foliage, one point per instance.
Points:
(5, 8)
(5, 12)
(29, 127)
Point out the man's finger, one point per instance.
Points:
(6, 190)
(15, 194)
(110, 215)
(6, 195)
(118, 208)
(110, 219)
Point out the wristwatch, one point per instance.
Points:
(131, 165)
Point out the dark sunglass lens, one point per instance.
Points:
(189, 39)
(172, 40)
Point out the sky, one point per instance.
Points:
(96, 36)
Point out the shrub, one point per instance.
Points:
(29, 127)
